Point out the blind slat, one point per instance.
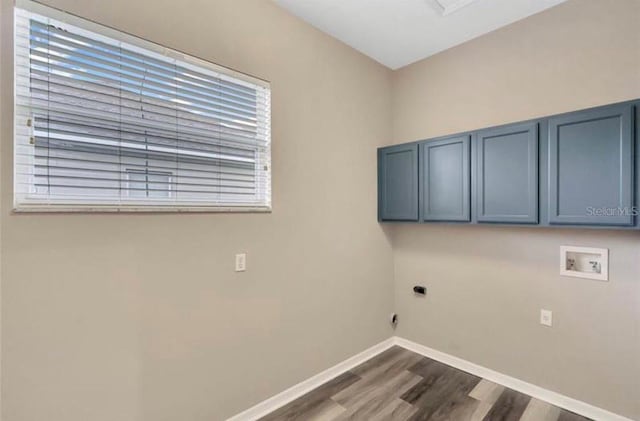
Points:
(249, 178)
(145, 59)
(56, 129)
(143, 97)
(162, 81)
(187, 169)
(98, 116)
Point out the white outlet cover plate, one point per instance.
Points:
(546, 317)
(602, 257)
(241, 262)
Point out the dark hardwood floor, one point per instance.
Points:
(401, 385)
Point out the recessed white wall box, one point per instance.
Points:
(584, 262)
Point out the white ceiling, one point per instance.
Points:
(399, 32)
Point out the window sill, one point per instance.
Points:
(137, 209)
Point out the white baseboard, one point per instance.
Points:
(582, 408)
(306, 386)
(532, 390)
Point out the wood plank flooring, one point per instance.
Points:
(401, 385)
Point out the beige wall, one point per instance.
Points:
(487, 284)
(141, 317)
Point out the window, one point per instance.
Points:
(148, 183)
(107, 121)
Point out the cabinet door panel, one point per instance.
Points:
(636, 168)
(507, 174)
(444, 179)
(398, 183)
(590, 167)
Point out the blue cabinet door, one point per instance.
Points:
(507, 174)
(445, 179)
(590, 167)
(398, 183)
(636, 145)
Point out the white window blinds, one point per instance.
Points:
(107, 121)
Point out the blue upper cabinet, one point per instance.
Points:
(590, 167)
(398, 183)
(445, 179)
(507, 174)
(579, 169)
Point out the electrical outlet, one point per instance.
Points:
(241, 262)
(546, 317)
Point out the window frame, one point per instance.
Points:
(101, 32)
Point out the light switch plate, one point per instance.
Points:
(546, 317)
(584, 262)
(241, 262)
